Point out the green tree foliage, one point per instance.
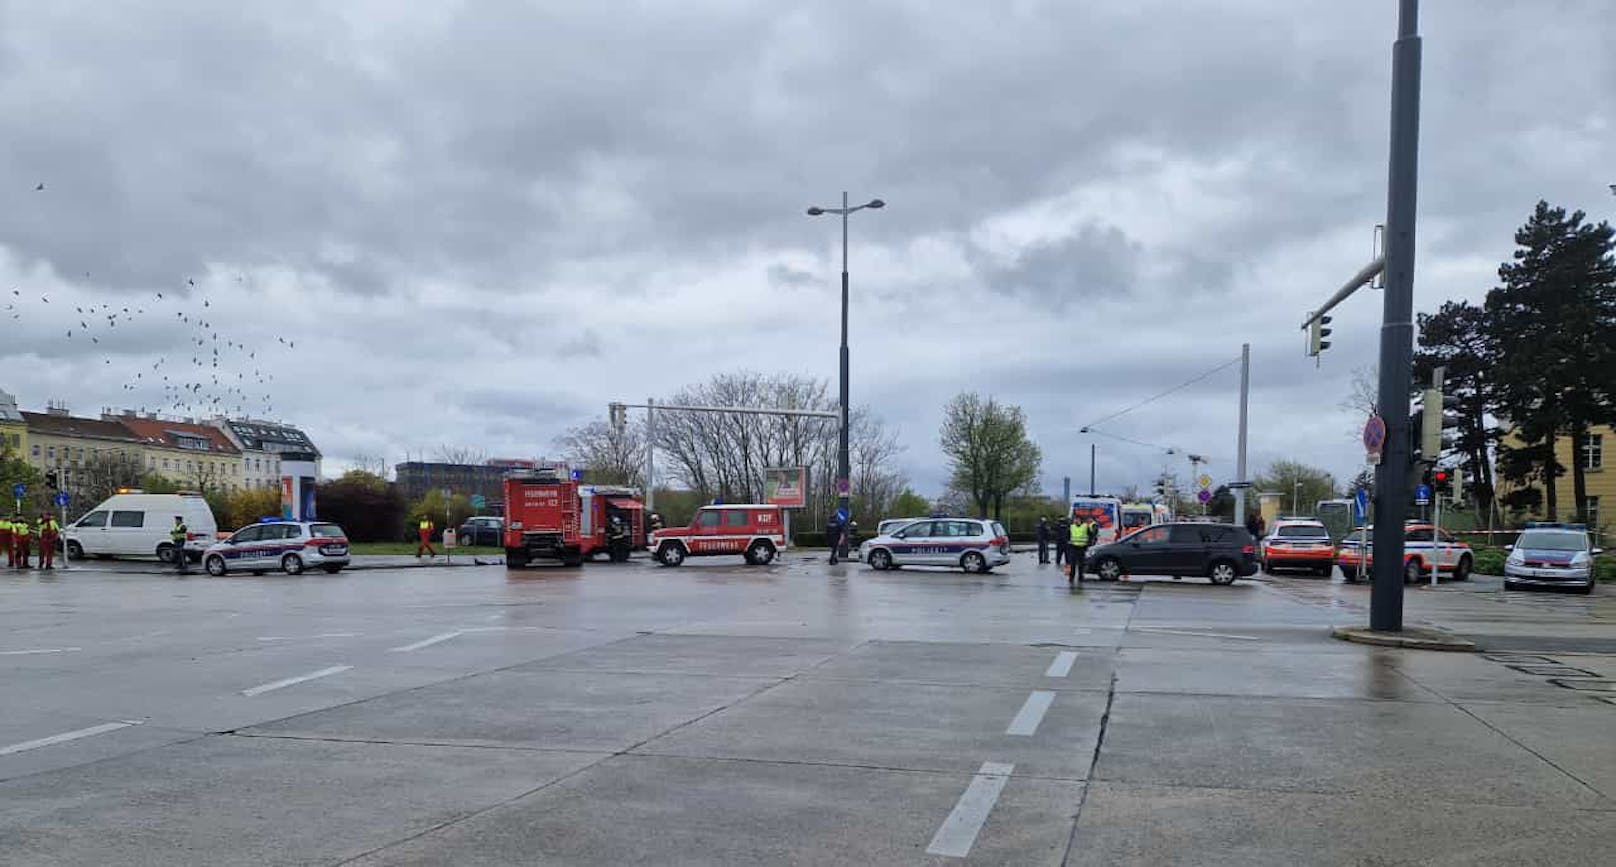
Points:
(1457, 339)
(909, 504)
(1283, 476)
(1551, 323)
(988, 450)
(247, 506)
(446, 514)
(367, 511)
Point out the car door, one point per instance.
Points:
(913, 541)
(1189, 545)
(705, 531)
(1146, 552)
(91, 533)
(127, 534)
(241, 552)
(1419, 543)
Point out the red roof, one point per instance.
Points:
(171, 433)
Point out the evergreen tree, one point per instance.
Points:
(1456, 338)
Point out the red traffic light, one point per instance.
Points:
(1441, 476)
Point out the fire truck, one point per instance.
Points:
(549, 515)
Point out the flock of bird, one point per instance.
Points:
(206, 371)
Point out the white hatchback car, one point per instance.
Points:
(287, 546)
(965, 543)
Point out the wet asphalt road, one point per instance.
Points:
(798, 713)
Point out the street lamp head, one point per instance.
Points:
(1082, 430)
(815, 211)
(876, 203)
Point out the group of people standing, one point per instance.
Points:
(17, 535)
(1071, 539)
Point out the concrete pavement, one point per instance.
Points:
(798, 713)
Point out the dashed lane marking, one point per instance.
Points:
(1062, 665)
(958, 832)
(1031, 713)
(64, 737)
(309, 637)
(40, 650)
(292, 681)
(428, 642)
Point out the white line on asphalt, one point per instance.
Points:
(427, 642)
(67, 736)
(309, 637)
(290, 681)
(958, 832)
(1032, 713)
(1196, 634)
(1062, 665)
(40, 650)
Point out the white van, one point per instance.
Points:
(136, 524)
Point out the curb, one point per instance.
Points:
(1413, 638)
(370, 567)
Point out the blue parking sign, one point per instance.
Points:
(1422, 495)
(62, 499)
(18, 490)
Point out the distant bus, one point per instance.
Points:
(1336, 516)
(1106, 512)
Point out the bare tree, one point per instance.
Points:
(448, 454)
(374, 464)
(103, 473)
(612, 456)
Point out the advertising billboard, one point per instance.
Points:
(786, 487)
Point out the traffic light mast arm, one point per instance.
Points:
(1366, 274)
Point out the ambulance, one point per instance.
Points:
(1106, 512)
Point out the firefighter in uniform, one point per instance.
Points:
(49, 530)
(617, 540)
(177, 535)
(423, 535)
(5, 542)
(19, 539)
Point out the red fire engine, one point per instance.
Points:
(550, 516)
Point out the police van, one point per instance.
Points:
(133, 523)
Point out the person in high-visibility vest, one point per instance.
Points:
(19, 539)
(5, 542)
(1083, 533)
(49, 530)
(178, 535)
(423, 535)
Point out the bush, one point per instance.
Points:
(1605, 569)
(368, 513)
(1490, 561)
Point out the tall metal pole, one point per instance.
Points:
(1240, 451)
(844, 469)
(1397, 325)
(650, 455)
(1091, 469)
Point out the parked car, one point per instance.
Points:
(1299, 543)
(962, 543)
(1221, 552)
(754, 530)
(289, 546)
(137, 524)
(1552, 555)
(481, 531)
(1421, 546)
(886, 528)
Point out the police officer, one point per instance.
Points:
(1082, 534)
(49, 530)
(833, 534)
(176, 538)
(1043, 541)
(1059, 534)
(6, 542)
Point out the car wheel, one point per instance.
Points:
(973, 562)
(760, 554)
(1349, 575)
(880, 560)
(1586, 588)
(671, 555)
(215, 566)
(1510, 585)
(1267, 569)
(292, 564)
(1413, 572)
(1109, 569)
(332, 569)
(1324, 571)
(1461, 572)
(165, 553)
(75, 551)
(1223, 572)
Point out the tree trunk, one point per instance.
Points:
(1550, 466)
(1579, 475)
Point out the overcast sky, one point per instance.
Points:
(480, 222)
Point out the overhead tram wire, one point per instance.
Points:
(1152, 399)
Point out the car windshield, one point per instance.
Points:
(1553, 541)
(1301, 532)
(326, 531)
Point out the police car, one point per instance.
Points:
(1551, 555)
(964, 543)
(287, 546)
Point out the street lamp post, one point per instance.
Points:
(844, 470)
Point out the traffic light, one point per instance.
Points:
(50, 479)
(1439, 480)
(1316, 334)
(618, 415)
(1438, 414)
(1458, 485)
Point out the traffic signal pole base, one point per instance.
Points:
(1411, 637)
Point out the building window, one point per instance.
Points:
(165, 463)
(1593, 452)
(51, 453)
(36, 450)
(1593, 513)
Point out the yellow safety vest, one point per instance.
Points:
(1080, 534)
(20, 529)
(425, 526)
(49, 525)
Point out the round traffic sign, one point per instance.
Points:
(1204, 496)
(1374, 433)
(62, 499)
(19, 489)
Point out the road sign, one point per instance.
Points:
(843, 488)
(1374, 438)
(18, 490)
(1360, 505)
(478, 501)
(1205, 480)
(841, 516)
(1204, 496)
(1422, 495)
(1241, 486)
(62, 499)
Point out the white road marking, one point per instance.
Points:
(1062, 665)
(1196, 634)
(309, 637)
(958, 832)
(428, 642)
(40, 650)
(64, 737)
(1031, 713)
(291, 681)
